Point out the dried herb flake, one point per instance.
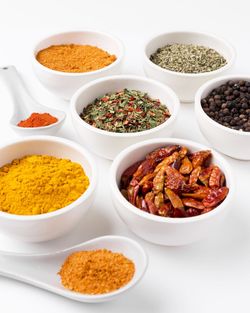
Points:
(126, 111)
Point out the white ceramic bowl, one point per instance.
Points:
(162, 230)
(37, 228)
(233, 143)
(65, 84)
(109, 144)
(184, 84)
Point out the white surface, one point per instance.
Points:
(186, 84)
(24, 267)
(65, 84)
(165, 231)
(220, 137)
(38, 228)
(107, 144)
(210, 276)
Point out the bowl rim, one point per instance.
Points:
(84, 88)
(89, 191)
(206, 87)
(229, 63)
(118, 60)
(168, 220)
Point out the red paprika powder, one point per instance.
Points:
(38, 120)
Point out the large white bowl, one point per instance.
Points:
(164, 230)
(109, 144)
(37, 228)
(184, 84)
(65, 84)
(233, 143)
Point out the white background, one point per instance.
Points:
(209, 276)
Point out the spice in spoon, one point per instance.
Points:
(188, 58)
(38, 120)
(96, 271)
(126, 111)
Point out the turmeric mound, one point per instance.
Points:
(37, 184)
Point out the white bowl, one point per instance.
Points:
(163, 230)
(185, 84)
(37, 228)
(64, 84)
(233, 143)
(109, 144)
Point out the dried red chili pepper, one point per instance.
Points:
(200, 193)
(189, 202)
(147, 187)
(167, 161)
(216, 178)
(205, 174)
(149, 199)
(161, 153)
(194, 175)
(128, 174)
(183, 152)
(174, 199)
(215, 196)
(133, 190)
(144, 168)
(166, 209)
(171, 182)
(192, 212)
(186, 166)
(199, 158)
(174, 179)
(159, 200)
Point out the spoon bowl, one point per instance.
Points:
(24, 105)
(41, 270)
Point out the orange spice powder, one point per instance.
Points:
(38, 120)
(96, 271)
(73, 58)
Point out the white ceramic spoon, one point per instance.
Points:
(41, 270)
(24, 105)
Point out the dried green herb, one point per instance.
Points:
(188, 58)
(126, 111)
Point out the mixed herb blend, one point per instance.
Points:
(126, 111)
(188, 58)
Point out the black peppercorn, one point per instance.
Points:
(229, 105)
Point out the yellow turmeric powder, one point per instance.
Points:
(74, 58)
(37, 184)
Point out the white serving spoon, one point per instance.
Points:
(41, 270)
(24, 105)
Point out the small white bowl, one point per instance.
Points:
(233, 143)
(185, 84)
(43, 227)
(64, 84)
(164, 230)
(109, 144)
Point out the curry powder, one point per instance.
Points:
(96, 271)
(73, 58)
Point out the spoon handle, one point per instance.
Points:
(18, 92)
